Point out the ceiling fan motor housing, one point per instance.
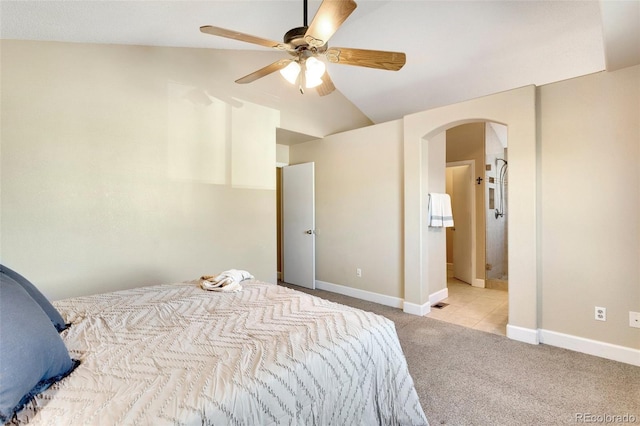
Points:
(295, 36)
(298, 43)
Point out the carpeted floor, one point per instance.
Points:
(469, 377)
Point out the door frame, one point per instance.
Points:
(472, 169)
(279, 223)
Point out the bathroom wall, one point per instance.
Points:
(496, 227)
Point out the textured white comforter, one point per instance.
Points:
(268, 355)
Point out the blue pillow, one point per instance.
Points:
(32, 353)
(40, 298)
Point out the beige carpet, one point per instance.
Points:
(469, 377)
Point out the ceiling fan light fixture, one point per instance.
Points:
(314, 70)
(311, 82)
(291, 71)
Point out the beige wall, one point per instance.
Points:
(282, 154)
(466, 142)
(358, 206)
(590, 204)
(118, 170)
(434, 260)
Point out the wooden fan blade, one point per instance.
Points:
(262, 72)
(330, 16)
(221, 32)
(327, 85)
(380, 59)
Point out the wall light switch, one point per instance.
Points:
(634, 319)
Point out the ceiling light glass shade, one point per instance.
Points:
(311, 82)
(314, 70)
(291, 71)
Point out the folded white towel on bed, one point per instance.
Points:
(440, 214)
(225, 281)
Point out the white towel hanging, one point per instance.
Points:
(439, 211)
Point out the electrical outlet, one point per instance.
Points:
(634, 319)
(358, 272)
(601, 313)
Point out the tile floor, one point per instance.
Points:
(479, 308)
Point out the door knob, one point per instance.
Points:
(310, 232)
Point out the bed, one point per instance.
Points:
(176, 354)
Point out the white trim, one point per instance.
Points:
(521, 334)
(438, 296)
(415, 309)
(478, 282)
(591, 347)
(279, 165)
(383, 299)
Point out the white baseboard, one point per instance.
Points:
(575, 343)
(521, 334)
(383, 299)
(591, 347)
(438, 296)
(415, 309)
(394, 302)
(478, 282)
(424, 309)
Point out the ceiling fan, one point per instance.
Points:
(309, 42)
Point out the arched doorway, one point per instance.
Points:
(476, 242)
(423, 146)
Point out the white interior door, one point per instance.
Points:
(461, 207)
(298, 218)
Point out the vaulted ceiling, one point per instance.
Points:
(456, 50)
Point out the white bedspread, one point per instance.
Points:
(268, 355)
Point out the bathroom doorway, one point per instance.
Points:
(476, 300)
(482, 145)
(424, 168)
